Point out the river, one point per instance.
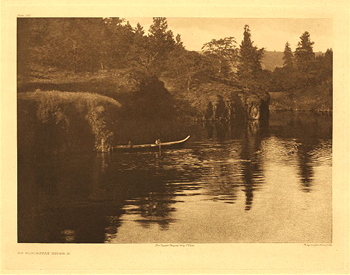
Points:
(261, 183)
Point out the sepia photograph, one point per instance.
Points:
(174, 130)
(190, 137)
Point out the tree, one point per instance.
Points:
(178, 43)
(328, 66)
(306, 64)
(140, 54)
(121, 41)
(69, 44)
(304, 55)
(324, 65)
(224, 50)
(283, 79)
(161, 38)
(161, 43)
(139, 30)
(250, 56)
(288, 57)
(187, 67)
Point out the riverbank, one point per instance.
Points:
(55, 121)
(144, 95)
(317, 99)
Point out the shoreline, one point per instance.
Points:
(302, 110)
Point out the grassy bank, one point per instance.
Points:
(54, 121)
(318, 99)
(140, 94)
(116, 84)
(60, 111)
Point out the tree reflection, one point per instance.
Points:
(306, 171)
(219, 174)
(251, 164)
(307, 132)
(221, 130)
(228, 162)
(156, 208)
(143, 189)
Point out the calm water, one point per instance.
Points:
(252, 183)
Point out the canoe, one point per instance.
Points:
(158, 145)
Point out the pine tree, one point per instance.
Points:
(161, 38)
(324, 65)
(288, 57)
(179, 44)
(329, 62)
(161, 42)
(250, 59)
(304, 55)
(139, 30)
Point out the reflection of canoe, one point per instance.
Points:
(152, 146)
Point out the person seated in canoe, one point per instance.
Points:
(157, 141)
(130, 144)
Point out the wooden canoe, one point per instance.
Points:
(151, 147)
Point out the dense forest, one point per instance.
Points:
(149, 74)
(306, 79)
(91, 45)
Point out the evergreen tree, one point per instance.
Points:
(139, 30)
(324, 65)
(329, 62)
(161, 43)
(121, 42)
(288, 57)
(304, 55)
(139, 52)
(161, 38)
(179, 44)
(250, 57)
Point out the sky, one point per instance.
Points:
(271, 34)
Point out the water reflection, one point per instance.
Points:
(305, 168)
(90, 198)
(251, 167)
(307, 132)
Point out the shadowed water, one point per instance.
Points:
(230, 183)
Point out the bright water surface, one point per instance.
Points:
(253, 183)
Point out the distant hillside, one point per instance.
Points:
(274, 59)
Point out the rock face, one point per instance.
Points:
(239, 105)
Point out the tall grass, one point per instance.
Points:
(116, 84)
(57, 121)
